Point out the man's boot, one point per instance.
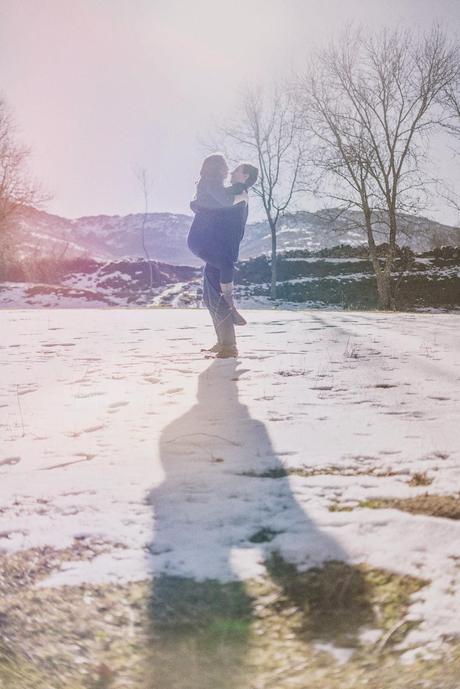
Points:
(227, 352)
(214, 349)
(227, 292)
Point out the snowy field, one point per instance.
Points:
(113, 424)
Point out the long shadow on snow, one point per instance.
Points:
(226, 498)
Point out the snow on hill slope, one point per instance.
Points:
(429, 282)
(110, 237)
(325, 229)
(105, 236)
(118, 428)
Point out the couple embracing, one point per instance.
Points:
(215, 235)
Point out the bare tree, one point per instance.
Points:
(17, 189)
(267, 131)
(143, 178)
(451, 100)
(371, 104)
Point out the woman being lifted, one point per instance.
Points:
(218, 227)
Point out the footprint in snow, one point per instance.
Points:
(86, 395)
(172, 391)
(27, 390)
(90, 429)
(85, 457)
(9, 461)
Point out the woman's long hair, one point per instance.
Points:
(212, 166)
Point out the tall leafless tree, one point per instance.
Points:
(370, 104)
(451, 100)
(17, 189)
(267, 132)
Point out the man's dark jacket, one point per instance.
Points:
(217, 232)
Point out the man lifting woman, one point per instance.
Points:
(218, 227)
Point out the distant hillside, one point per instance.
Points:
(110, 237)
(81, 282)
(105, 237)
(325, 229)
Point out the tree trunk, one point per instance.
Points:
(274, 262)
(385, 296)
(383, 276)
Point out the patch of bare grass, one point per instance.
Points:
(446, 506)
(331, 470)
(177, 632)
(420, 479)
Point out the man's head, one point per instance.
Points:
(246, 174)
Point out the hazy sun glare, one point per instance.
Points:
(98, 86)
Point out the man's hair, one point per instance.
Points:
(253, 173)
(212, 165)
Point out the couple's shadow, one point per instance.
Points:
(225, 512)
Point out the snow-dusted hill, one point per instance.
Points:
(110, 237)
(114, 428)
(325, 229)
(428, 282)
(105, 236)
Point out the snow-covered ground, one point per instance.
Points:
(113, 424)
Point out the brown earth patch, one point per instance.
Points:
(446, 506)
(176, 632)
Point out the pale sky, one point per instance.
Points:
(99, 87)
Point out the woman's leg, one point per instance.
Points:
(219, 309)
(226, 269)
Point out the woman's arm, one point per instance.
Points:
(212, 194)
(241, 198)
(226, 196)
(222, 210)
